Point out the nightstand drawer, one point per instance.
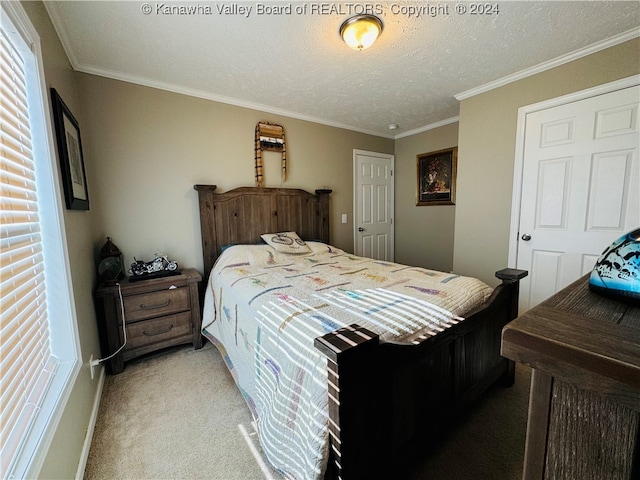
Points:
(155, 304)
(164, 329)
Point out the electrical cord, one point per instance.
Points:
(124, 332)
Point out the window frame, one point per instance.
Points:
(64, 338)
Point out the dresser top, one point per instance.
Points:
(581, 337)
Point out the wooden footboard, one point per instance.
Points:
(387, 399)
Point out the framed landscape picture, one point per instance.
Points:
(74, 179)
(436, 172)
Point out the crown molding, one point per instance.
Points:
(63, 35)
(556, 62)
(431, 126)
(192, 92)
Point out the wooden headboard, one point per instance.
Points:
(243, 214)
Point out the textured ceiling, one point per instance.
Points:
(295, 63)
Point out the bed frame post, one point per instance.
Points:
(350, 351)
(323, 214)
(511, 278)
(207, 225)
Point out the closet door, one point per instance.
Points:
(580, 188)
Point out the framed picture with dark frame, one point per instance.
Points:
(74, 179)
(436, 172)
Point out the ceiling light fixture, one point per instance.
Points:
(361, 31)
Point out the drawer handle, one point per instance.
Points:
(157, 333)
(151, 307)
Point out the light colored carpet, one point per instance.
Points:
(178, 415)
(174, 415)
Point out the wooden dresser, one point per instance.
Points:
(584, 410)
(158, 313)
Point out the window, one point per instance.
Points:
(38, 340)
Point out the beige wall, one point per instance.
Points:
(487, 147)
(149, 147)
(423, 235)
(64, 455)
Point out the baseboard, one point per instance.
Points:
(84, 455)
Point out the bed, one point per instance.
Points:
(350, 366)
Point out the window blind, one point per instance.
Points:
(27, 363)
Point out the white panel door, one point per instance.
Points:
(580, 188)
(373, 205)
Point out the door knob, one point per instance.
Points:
(360, 229)
(526, 237)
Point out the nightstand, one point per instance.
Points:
(159, 313)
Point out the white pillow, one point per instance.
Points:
(286, 242)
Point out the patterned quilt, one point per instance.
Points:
(263, 310)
